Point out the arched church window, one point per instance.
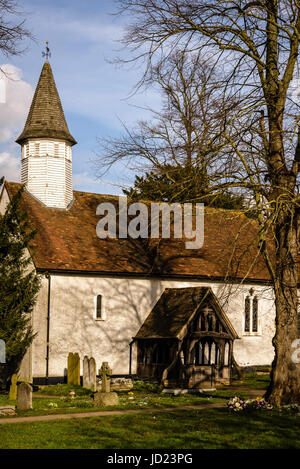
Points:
(217, 355)
(206, 354)
(251, 313)
(99, 306)
(247, 314)
(254, 314)
(198, 349)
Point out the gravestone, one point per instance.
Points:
(93, 375)
(89, 373)
(13, 388)
(105, 397)
(105, 372)
(73, 376)
(86, 372)
(24, 396)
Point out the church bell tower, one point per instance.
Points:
(46, 142)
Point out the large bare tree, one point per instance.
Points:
(183, 141)
(12, 28)
(256, 45)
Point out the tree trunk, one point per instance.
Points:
(284, 387)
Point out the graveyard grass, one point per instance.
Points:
(210, 428)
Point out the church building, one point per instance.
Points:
(149, 308)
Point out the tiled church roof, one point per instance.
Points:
(176, 308)
(46, 116)
(66, 240)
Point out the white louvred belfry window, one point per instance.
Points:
(36, 149)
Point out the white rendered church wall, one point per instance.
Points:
(127, 303)
(39, 322)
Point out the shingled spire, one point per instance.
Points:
(46, 116)
(46, 163)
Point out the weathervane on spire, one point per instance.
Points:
(46, 54)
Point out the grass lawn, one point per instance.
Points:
(56, 399)
(182, 429)
(202, 429)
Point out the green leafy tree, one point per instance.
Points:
(19, 285)
(181, 184)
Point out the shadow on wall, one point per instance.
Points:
(74, 328)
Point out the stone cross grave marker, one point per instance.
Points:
(24, 396)
(105, 397)
(105, 372)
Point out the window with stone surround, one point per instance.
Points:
(99, 311)
(251, 314)
(99, 307)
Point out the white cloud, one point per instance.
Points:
(9, 167)
(14, 110)
(81, 179)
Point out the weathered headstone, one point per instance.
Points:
(93, 375)
(73, 376)
(105, 397)
(13, 388)
(24, 396)
(89, 374)
(86, 373)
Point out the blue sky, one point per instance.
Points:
(83, 37)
